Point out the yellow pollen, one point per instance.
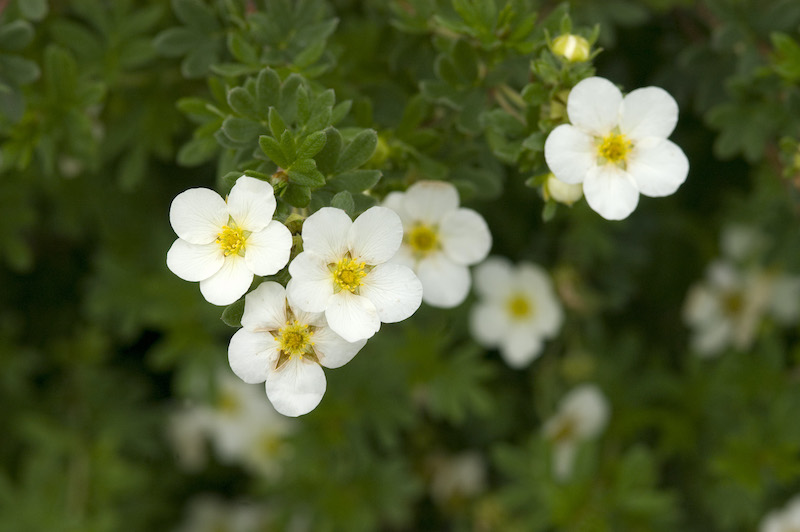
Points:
(295, 338)
(347, 274)
(519, 306)
(231, 240)
(614, 148)
(423, 239)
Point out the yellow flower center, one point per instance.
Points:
(733, 303)
(295, 338)
(565, 430)
(231, 240)
(519, 306)
(423, 239)
(228, 403)
(347, 274)
(614, 148)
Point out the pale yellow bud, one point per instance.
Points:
(562, 192)
(571, 47)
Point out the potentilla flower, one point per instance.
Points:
(786, 519)
(286, 348)
(344, 272)
(517, 309)
(441, 240)
(222, 243)
(617, 147)
(582, 415)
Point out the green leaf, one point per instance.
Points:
(33, 9)
(288, 146)
(241, 49)
(242, 102)
(340, 111)
(304, 172)
(276, 124)
(311, 145)
(199, 60)
(197, 151)
(241, 129)
(465, 61)
(343, 200)
(61, 72)
(232, 70)
(297, 195)
(18, 70)
(268, 87)
(272, 149)
(303, 105)
(16, 35)
(232, 315)
(175, 42)
(356, 180)
(196, 14)
(358, 151)
(329, 155)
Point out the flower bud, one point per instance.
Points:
(573, 48)
(562, 192)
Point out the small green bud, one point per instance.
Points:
(573, 48)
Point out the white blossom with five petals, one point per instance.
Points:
(617, 147)
(222, 243)
(344, 271)
(517, 309)
(441, 240)
(285, 348)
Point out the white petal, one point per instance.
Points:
(375, 235)
(194, 262)
(488, 324)
(267, 251)
(332, 350)
(352, 317)
(325, 233)
(658, 166)
(712, 337)
(297, 387)
(428, 201)
(250, 354)
(611, 192)
(570, 154)
(265, 308)
(251, 203)
(465, 236)
(519, 347)
(229, 283)
(648, 112)
(395, 291)
(563, 459)
(444, 283)
(311, 285)
(396, 202)
(593, 105)
(405, 257)
(548, 314)
(493, 278)
(197, 215)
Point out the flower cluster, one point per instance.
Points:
(617, 147)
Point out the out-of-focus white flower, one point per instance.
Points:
(573, 48)
(785, 520)
(582, 415)
(344, 272)
(209, 513)
(286, 348)
(243, 428)
(222, 243)
(727, 308)
(458, 476)
(441, 240)
(516, 311)
(561, 192)
(617, 147)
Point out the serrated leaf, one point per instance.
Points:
(232, 315)
(356, 180)
(15, 35)
(242, 102)
(343, 200)
(276, 124)
(311, 145)
(304, 172)
(296, 195)
(329, 154)
(195, 14)
(268, 86)
(241, 129)
(358, 151)
(272, 149)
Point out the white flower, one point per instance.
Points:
(561, 192)
(617, 147)
(344, 272)
(222, 243)
(441, 240)
(582, 415)
(457, 476)
(727, 308)
(785, 520)
(209, 513)
(517, 310)
(285, 348)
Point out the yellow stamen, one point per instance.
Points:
(348, 274)
(231, 240)
(295, 339)
(423, 239)
(614, 148)
(519, 306)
